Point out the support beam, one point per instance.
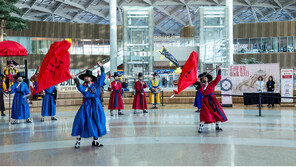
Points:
(113, 35)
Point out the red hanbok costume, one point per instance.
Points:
(211, 110)
(140, 102)
(115, 102)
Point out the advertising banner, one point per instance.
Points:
(242, 78)
(287, 84)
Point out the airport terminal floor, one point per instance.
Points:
(164, 136)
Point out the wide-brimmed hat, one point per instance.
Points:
(87, 73)
(140, 75)
(155, 74)
(20, 74)
(115, 74)
(210, 78)
(11, 62)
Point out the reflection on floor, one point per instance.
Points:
(161, 137)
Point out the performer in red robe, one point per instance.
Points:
(211, 110)
(115, 102)
(140, 102)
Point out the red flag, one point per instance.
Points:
(189, 73)
(55, 66)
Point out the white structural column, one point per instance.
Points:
(229, 4)
(113, 36)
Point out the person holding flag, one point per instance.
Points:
(20, 104)
(211, 110)
(115, 102)
(90, 120)
(154, 86)
(49, 103)
(140, 102)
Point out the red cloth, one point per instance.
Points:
(189, 73)
(11, 48)
(32, 90)
(115, 89)
(55, 66)
(138, 105)
(207, 113)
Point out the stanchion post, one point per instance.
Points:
(260, 98)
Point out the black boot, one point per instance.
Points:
(145, 111)
(54, 118)
(120, 113)
(96, 143)
(218, 127)
(2, 114)
(200, 129)
(28, 121)
(77, 144)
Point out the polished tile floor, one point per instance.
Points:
(161, 137)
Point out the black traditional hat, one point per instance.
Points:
(11, 62)
(20, 74)
(140, 75)
(155, 74)
(87, 73)
(115, 74)
(210, 78)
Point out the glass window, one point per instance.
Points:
(95, 47)
(295, 44)
(101, 47)
(255, 45)
(77, 45)
(283, 44)
(266, 45)
(33, 46)
(275, 44)
(290, 44)
(87, 46)
(106, 47)
(243, 46)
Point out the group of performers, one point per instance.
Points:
(12, 82)
(90, 119)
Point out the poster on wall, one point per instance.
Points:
(287, 84)
(242, 78)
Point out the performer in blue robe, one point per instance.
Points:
(197, 101)
(49, 104)
(90, 119)
(20, 104)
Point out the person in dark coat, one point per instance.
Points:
(270, 85)
(90, 120)
(20, 104)
(49, 103)
(115, 101)
(2, 90)
(140, 102)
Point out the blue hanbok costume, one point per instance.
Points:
(48, 103)
(197, 101)
(20, 106)
(90, 120)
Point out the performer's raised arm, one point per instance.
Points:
(218, 77)
(101, 78)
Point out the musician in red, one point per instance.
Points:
(115, 102)
(211, 110)
(140, 102)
